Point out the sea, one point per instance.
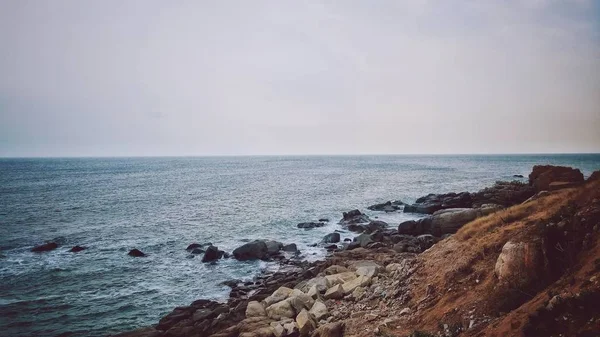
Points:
(161, 205)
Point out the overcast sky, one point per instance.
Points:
(104, 78)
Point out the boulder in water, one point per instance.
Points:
(310, 225)
(46, 247)
(290, 248)
(354, 217)
(212, 253)
(251, 251)
(136, 253)
(76, 249)
(387, 207)
(332, 238)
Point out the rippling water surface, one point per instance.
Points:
(160, 205)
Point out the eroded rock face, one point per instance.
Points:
(520, 264)
(543, 175)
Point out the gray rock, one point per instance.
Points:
(331, 238)
(251, 251)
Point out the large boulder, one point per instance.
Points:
(335, 292)
(385, 207)
(364, 240)
(319, 311)
(434, 202)
(273, 247)
(376, 225)
(543, 175)
(281, 310)
(520, 264)
(305, 322)
(212, 254)
(415, 227)
(450, 220)
(354, 217)
(251, 251)
(332, 238)
(255, 309)
(46, 247)
(279, 295)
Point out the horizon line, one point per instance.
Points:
(301, 155)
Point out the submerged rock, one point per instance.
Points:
(46, 247)
(136, 253)
(76, 249)
(310, 225)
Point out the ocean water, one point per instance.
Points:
(160, 205)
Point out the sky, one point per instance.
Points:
(183, 78)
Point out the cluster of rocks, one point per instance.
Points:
(49, 246)
(388, 207)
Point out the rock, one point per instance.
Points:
(278, 329)
(306, 325)
(594, 176)
(136, 253)
(425, 241)
(520, 264)
(542, 175)
(255, 309)
(558, 185)
(252, 250)
(352, 245)
(335, 269)
(415, 227)
(368, 270)
(193, 246)
(503, 193)
(405, 311)
(334, 329)
(363, 240)
(273, 247)
(350, 286)
(291, 328)
(313, 292)
(340, 278)
(279, 295)
(319, 311)
(518, 176)
(306, 300)
(354, 217)
(46, 247)
(197, 251)
(323, 220)
(280, 310)
(331, 238)
(435, 202)
(335, 292)
(320, 282)
(385, 207)
(375, 226)
(310, 225)
(290, 248)
(358, 293)
(330, 248)
(212, 253)
(76, 249)
(451, 220)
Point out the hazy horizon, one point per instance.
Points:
(152, 78)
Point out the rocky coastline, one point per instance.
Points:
(378, 283)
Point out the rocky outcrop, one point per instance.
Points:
(435, 202)
(503, 193)
(46, 247)
(354, 217)
(389, 206)
(136, 253)
(543, 176)
(251, 251)
(450, 220)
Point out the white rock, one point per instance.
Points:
(279, 295)
(280, 310)
(319, 310)
(255, 309)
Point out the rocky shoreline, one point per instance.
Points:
(360, 283)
